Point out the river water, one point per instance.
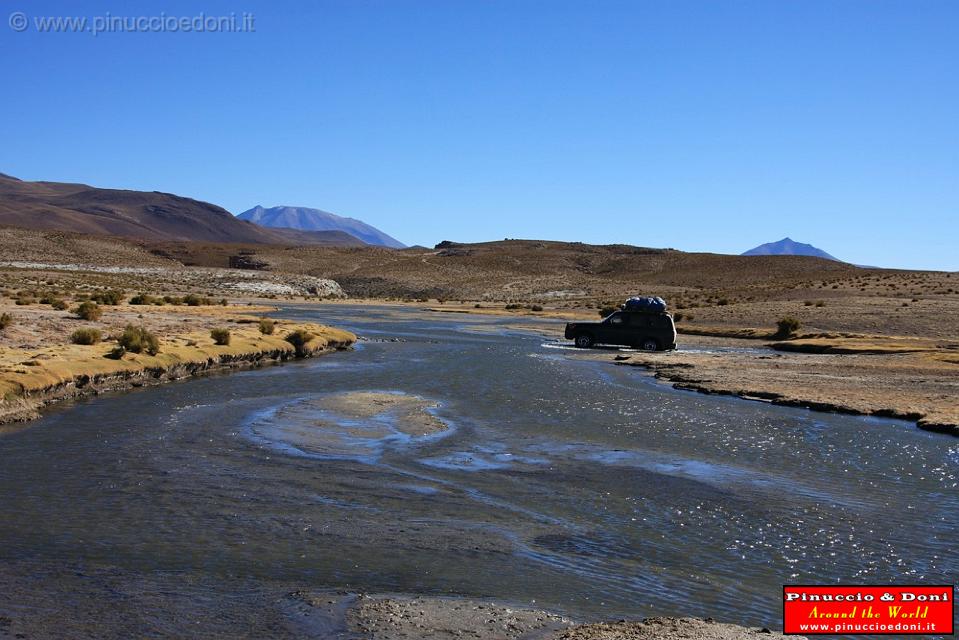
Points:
(558, 480)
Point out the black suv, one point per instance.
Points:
(650, 331)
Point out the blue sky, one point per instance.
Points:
(703, 126)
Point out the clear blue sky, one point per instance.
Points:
(704, 126)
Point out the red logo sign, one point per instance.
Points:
(885, 609)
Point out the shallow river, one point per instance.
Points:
(556, 479)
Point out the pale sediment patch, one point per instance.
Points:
(409, 413)
(357, 425)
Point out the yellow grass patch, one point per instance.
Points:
(24, 372)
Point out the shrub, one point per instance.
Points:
(144, 298)
(514, 305)
(139, 340)
(605, 311)
(112, 297)
(678, 316)
(193, 300)
(173, 300)
(820, 303)
(535, 307)
(86, 336)
(224, 302)
(298, 339)
(267, 326)
(25, 300)
(59, 305)
(89, 310)
(220, 336)
(5, 320)
(787, 326)
(722, 302)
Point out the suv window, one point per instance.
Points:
(617, 318)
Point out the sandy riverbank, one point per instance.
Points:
(919, 385)
(39, 365)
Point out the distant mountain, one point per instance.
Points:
(788, 247)
(317, 220)
(145, 215)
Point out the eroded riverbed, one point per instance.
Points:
(471, 459)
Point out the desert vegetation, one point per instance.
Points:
(138, 339)
(299, 338)
(787, 327)
(89, 311)
(110, 297)
(86, 336)
(267, 326)
(220, 335)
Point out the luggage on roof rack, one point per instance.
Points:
(653, 304)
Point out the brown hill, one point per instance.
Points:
(152, 216)
(523, 269)
(705, 289)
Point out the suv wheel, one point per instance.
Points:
(584, 341)
(649, 344)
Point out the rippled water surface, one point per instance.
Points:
(553, 478)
